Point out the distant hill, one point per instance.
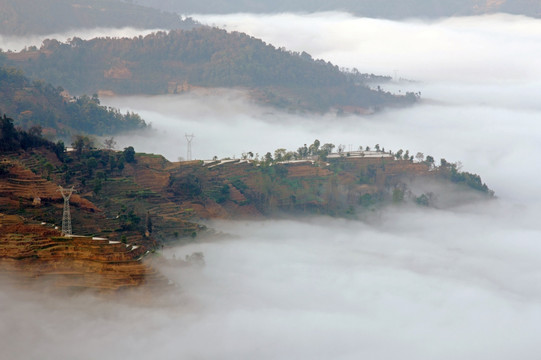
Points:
(180, 61)
(36, 103)
(390, 9)
(25, 17)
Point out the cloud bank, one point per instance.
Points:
(406, 283)
(460, 48)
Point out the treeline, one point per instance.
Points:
(25, 17)
(36, 103)
(168, 62)
(318, 151)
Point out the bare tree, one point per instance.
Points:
(110, 143)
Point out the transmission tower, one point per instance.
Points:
(189, 138)
(66, 217)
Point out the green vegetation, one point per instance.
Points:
(37, 104)
(13, 139)
(175, 61)
(452, 172)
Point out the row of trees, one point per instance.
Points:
(318, 151)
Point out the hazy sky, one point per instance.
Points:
(408, 283)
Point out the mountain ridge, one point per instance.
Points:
(175, 61)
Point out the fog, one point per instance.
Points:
(403, 282)
(467, 49)
(408, 283)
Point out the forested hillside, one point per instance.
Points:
(24, 17)
(178, 61)
(36, 103)
(393, 9)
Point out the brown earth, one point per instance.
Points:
(29, 252)
(23, 184)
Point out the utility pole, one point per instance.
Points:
(66, 216)
(189, 138)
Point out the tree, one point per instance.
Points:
(328, 148)
(82, 144)
(377, 147)
(129, 154)
(289, 156)
(268, 158)
(420, 157)
(429, 161)
(9, 137)
(314, 148)
(91, 164)
(302, 152)
(279, 154)
(444, 164)
(59, 149)
(110, 143)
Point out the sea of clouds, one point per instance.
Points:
(463, 282)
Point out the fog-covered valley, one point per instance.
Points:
(462, 282)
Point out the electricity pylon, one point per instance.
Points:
(66, 216)
(189, 138)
